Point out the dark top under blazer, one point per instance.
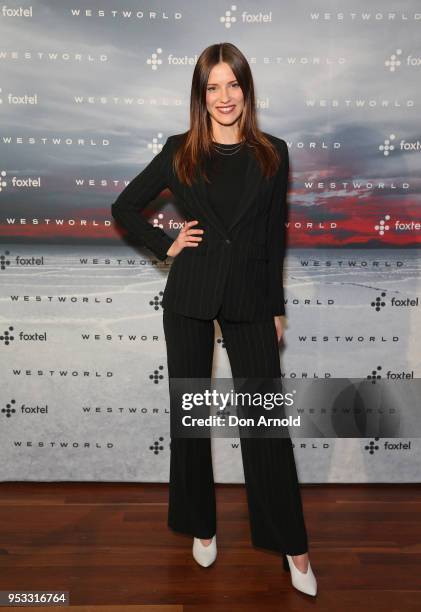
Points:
(226, 172)
(237, 268)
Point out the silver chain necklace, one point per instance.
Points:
(225, 151)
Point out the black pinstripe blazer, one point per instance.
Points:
(238, 268)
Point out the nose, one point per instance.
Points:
(225, 96)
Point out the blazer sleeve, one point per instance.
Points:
(276, 239)
(144, 188)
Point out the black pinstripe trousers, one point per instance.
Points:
(273, 494)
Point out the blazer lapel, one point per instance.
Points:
(251, 183)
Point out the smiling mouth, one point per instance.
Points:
(226, 109)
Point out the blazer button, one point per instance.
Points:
(228, 241)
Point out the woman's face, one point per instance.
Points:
(223, 91)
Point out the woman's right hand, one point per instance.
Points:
(185, 238)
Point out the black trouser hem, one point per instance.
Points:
(186, 531)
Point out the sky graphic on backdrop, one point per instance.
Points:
(85, 142)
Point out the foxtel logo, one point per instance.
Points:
(18, 182)
(229, 17)
(394, 61)
(407, 226)
(16, 12)
(404, 145)
(384, 226)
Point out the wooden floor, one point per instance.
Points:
(110, 547)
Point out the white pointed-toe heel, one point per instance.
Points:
(304, 582)
(204, 555)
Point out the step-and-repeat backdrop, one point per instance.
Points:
(88, 95)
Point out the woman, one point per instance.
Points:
(230, 180)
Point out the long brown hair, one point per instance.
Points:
(196, 144)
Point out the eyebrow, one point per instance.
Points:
(234, 81)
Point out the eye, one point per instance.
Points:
(210, 88)
(235, 85)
